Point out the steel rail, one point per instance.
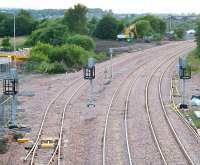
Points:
(148, 111)
(168, 120)
(36, 143)
(125, 121)
(115, 94)
(183, 119)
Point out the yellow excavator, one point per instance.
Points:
(128, 34)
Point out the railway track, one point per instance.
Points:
(190, 138)
(114, 97)
(180, 115)
(35, 152)
(56, 153)
(50, 128)
(153, 126)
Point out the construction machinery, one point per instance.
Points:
(13, 57)
(128, 34)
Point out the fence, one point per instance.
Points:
(5, 112)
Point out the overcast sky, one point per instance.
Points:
(118, 6)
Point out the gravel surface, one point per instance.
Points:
(190, 143)
(82, 139)
(165, 137)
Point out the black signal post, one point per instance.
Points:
(184, 74)
(89, 74)
(10, 87)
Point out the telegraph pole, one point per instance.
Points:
(111, 67)
(14, 43)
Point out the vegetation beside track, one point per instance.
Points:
(194, 57)
(68, 38)
(195, 120)
(194, 60)
(46, 58)
(19, 41)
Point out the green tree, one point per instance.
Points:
(25, 13)
(25, 23)
(92, 26)
(76, 20)
(54, 34)
(6, 26)
(143, 28)
(197, 36)
(108, 28)
(5, 42)
(179, 33)
(157, 24)
(120, 26)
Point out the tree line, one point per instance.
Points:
(72, 35)
(25, 24)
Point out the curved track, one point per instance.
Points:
(69, 92)
(56, 102)
(155, 127)
(114, 97)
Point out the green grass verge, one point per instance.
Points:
(194, 60)
(19, 40)
(195, 120)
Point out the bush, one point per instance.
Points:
(42, 67)
(38, 57)
(56, 68)
(46, 58)
(75, 56)
(101, 57)
(53, 34)
(157, 37)
(179, 33)
(82, 40)
(5, 42)
(41, 47)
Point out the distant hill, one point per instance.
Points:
(98, 13)
(56, 13)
